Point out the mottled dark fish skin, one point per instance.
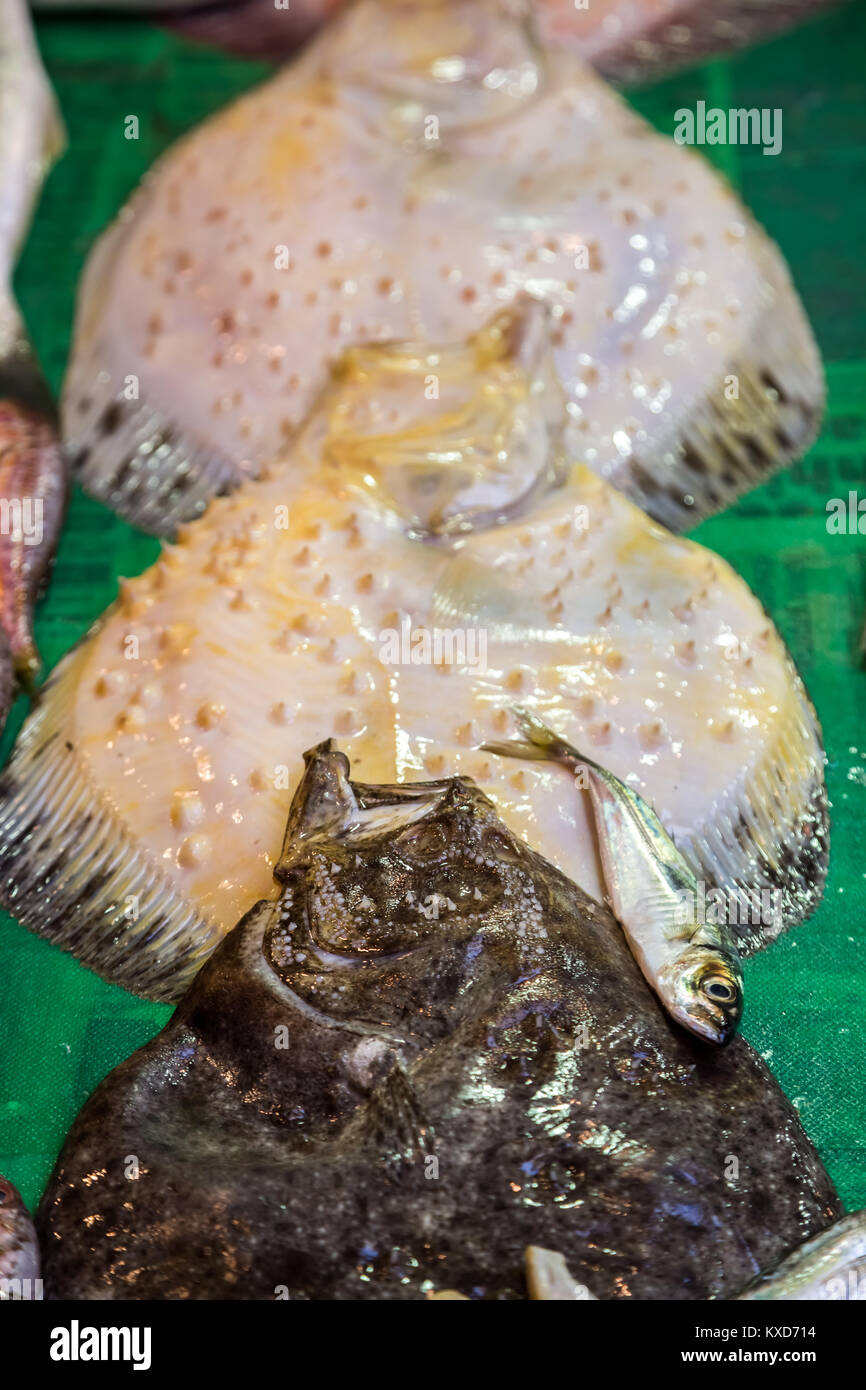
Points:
(19, 1252)
(7, 679)
(504, 1032)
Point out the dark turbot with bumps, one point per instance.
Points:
(429, 1053)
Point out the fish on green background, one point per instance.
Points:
(33, 480)
(693, 966)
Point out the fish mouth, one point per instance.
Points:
(712, 1025)
(713, 1022)
(402, 850)
(329, 806)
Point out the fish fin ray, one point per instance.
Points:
(517, 748)
(772, 836)
(657, 48)
(71, 872)
(129, 456)
(397, 1120)
(734, 443)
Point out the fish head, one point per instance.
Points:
(703, 988)
(401, 904)
(449, 438)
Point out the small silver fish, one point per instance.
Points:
(831, 1265)
(693, 966)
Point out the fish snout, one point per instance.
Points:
(708, 995)
(710, 1022)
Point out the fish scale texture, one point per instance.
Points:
(62, 1027)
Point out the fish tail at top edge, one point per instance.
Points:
(541, 744)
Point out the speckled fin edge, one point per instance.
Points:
(677, 41)
(70, 871)
(758, 419)
(122, 451)
(129, 455)
(773, 836)
(69, 868)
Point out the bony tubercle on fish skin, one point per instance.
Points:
(694, 967)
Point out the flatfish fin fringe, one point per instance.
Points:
(764, 414)
(122, 451)
(71, 872)
(141, 465)
(768, 848)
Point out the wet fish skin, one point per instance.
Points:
(19, 1251)
(831, 1265)
(272, 621)
(229, 315)
(693, 966)
(627, 41)
(33, 474)
(443, 994)
(630, 42)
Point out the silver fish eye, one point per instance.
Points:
(719, 990)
